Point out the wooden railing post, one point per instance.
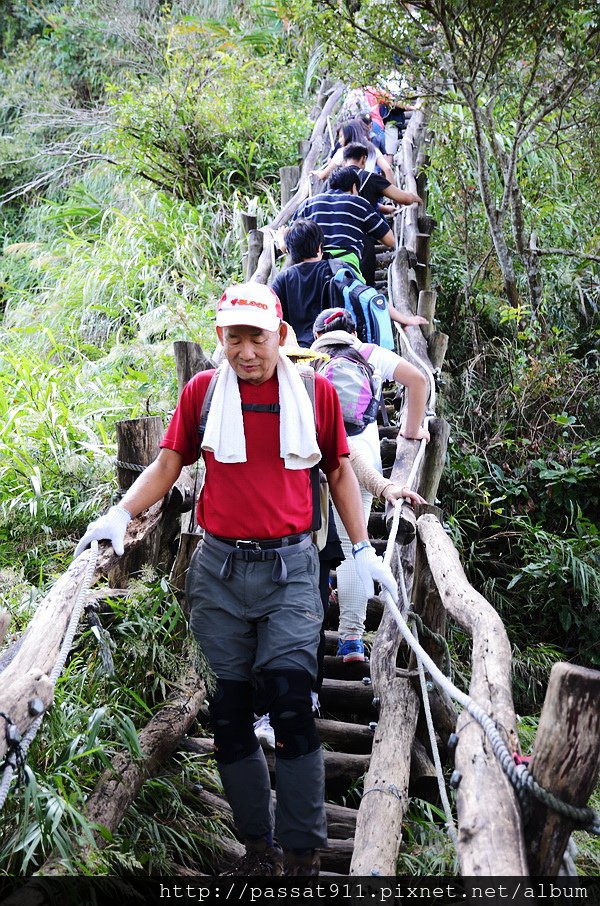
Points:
(288, 178)
(565, 760)
(255, 247)
(189, 360)
(138, 442)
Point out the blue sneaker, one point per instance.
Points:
(351, 650)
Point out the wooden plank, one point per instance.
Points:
(490, 832)
(345, 736)
(565, 760)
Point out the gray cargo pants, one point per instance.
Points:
(251, 620)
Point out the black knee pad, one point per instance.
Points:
(232, 719)
(285, 694)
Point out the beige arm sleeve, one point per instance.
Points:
(368, 477)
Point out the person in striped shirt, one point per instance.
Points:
(346, 218)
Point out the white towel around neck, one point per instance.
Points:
(224, 434)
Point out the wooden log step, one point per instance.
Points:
(347, 697)
(376, 525)
(381, 276)
(388, 449)
(334, 860)
(340, 767)
(380, 545)
(335, 668)
(341, 821)
(388, 430)
(384, 258)
(344, 736)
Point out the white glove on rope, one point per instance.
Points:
(371, 568)
(110, 527)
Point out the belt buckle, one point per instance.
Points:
(243, 545)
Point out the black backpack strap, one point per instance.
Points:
(273, 408)
(309, 380)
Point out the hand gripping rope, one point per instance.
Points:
(15, 759)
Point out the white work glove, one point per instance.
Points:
(110, 527)
(371, 568)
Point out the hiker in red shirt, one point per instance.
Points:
(252, 583)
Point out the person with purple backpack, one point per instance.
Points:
(335, 338)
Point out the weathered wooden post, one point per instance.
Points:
(426, 308)
(189, 360)
(255, 247)
(565, 760)
(249, 221)
(438, 344)
(303, 149)
(434, 459)
(288, 177)
(138, 442)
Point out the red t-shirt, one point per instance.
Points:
(258, 498)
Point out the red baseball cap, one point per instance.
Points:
(250, 304)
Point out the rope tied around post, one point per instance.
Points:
(130, 466)
(391, 789)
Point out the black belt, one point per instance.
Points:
(255, 545)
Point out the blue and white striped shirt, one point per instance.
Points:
(344, 218)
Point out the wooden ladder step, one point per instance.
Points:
(340, 767)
